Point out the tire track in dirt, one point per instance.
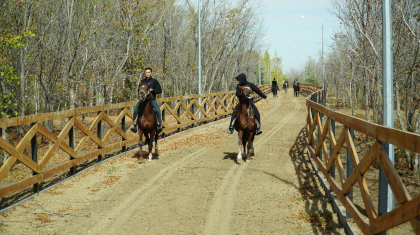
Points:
(130, 203)
(218, 220)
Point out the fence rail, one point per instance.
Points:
(320, 125)
(177, 113)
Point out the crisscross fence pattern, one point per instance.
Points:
(83, 141)
(321, 125)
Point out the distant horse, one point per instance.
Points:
(147, 121)
(245, 124)
(285, 86)
(274, 89)
(296, 89)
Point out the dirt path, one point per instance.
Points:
(195, 187)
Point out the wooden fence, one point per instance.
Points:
(177, 113)
(320, 125)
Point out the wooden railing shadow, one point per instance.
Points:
(316, 204)
(321, 127)
(80, 141)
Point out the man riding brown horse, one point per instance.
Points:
(154, 89)
(241, 78)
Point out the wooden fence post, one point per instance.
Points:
(124, 148)
(178, 113)
(349, 169)
(163, 120)
(71, 144)
(34, 158)
(331, 150)
(99, 135)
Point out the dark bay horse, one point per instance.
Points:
(147, 121)
(245, 124)
(274, 89)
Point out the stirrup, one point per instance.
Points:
(134, 129)
(258, 131)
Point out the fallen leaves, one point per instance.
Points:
(43, 218)
(111, 180)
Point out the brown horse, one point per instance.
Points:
(147, 121)
(245, 124)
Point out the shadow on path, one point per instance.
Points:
(317, 210)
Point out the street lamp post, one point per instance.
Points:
(322, 59)
(259, 70)
(199, 57)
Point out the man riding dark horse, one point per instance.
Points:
(154, 89)
(241, 78)
(274, 84)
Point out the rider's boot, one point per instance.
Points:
(134, 128)
(159, 128)
(231, 126)
(230, 130)
(258, 131)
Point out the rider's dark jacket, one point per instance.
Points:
(152, 85)
(274, 83)
(242, 81)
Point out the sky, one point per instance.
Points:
(295, 38)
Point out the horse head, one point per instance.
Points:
(246, 93)
(144, 91)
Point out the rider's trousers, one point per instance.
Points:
(256, 113)
(155, 107)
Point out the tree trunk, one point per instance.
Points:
(401, 122)
(5, 137)
(416, 155)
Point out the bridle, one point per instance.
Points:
(249, 95)
(144, 93)
(247, 92)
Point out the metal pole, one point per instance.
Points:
(386, 198)
(199, 56)
(323, 67)
(259, 69)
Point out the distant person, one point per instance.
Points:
(274, 83)
(296, 87)
(285, 85)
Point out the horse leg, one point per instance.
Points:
(149, 141)
(156, 144)
(239, 157)
(250, 147)
(244, 144)
(141, 143)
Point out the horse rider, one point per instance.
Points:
(296, 87)
(274, 84)
(154, 89)
(285, 84)
(241, 78)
